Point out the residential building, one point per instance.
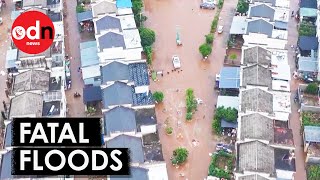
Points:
(308, 56)
(102, 7)
(312, 144)
(308, 10)
(228, 81)
(308, 102)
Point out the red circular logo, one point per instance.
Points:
(32, 32)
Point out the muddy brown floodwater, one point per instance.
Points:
(194, 23)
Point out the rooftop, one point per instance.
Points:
(84, 16)
(228, 101)
(54, 83)
(239, 24)
(143, 99)
(312, 134)
(306, 98)
(135, 173)
(26, 105)
(88, 44)
(110, 40)
(91, 71)
(307, 43)
(133, 143)
(138, 73)
(256, 55)
(308, 4)
(103, 7)
(255, 156)
(229, 77)
(56, 47)
(261, 10)
(41, 9)
(119, 119)
(252, 177)
(256, 126)
(284, 160)
(107, 22)
(127, 22)
(52, 96)
(11, 58)
(31, 80)
(283, 136)
(256, 75)
(282, 102)
(45, 54)
(260, 26)
(51, 108)
(6, 166)
(117, 94)
(124, 4)
(53, 2)
(92, 94)
(279, 34)
(132, 38)
(145, 117)
(314, 150)
(8, 137)
(256, 100)
(308, 64)
(28, 3)
(152, 147)
(89, 56)
(55, 17)
(272, 2)
(115, 71)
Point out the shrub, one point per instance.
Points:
(137, 6)
(158, 96)
(169, 130)
(243, 6)
(180, 155)
(148, 51)
(214, 23)
(189, 116)
(80, 9)
(209, 38)
(228, 114)
(233, 56)
(220, 4)
(307, 29)
(148, 36)
(140, 19)
(191, 103)
(216, 171)
(312, 88)
(313, 172)
(205, 50)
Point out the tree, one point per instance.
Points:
(148, 36)
(312, 88)
(137, 6)
(169, 130)
(205, 49)
(189, 116)
(158, 96)
(209, 38)
(233, 56)
(307, 29)
(80, 9)
(180, 155)
(243, 6)
(148, 51)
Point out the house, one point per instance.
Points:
(308, 10)
(39, 61)
(88, 53)
(256, 100)
(308, 55)
(91, 75)
(256, 126)
(103, 7)
(26, 105)
(84, 16)
(92, 95)
(157, 170)
(228, 101)
(253, 176)
(273, 3)
(152, 147)
(146, 120)
(258, 158)
(256, 55)
(229, 80)
(11, 58)
(308, 102)
(280, 16)
(256, 75)
(106, 23)
(124, 46)
(311, 137)
(136, 73)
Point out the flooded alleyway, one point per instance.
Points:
(295, 116)
(164, 17)
(72, 43)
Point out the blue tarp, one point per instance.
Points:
(124, 4)
(229, 77)
(281, 25)
(92, 94)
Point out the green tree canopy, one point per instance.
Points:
(180, 155)
(158, 96)
(148, 36)
(243, 6)
(312, 88)
(205, 49)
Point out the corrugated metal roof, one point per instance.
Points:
(228, 101)
(308, 64)
(281, 25)
(91, 71)
(91, 94)
(312, 133)
(11, 58)
(229, 77)
(89, 57)
(84, 16)
(308, 12)
(307, 43)
(88, 44)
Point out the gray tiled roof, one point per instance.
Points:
(31, 80)
(262, 10)
(115, 71)
(256, 156)
(120, 119)
(117, 94)
(256, 75)
(260, 26)
(256, 126)
(108, 22)
(139, 74)
(26, 104)
(256, 100)
(133, 143)
(253, 177)
(110, 40)
(257, 55)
